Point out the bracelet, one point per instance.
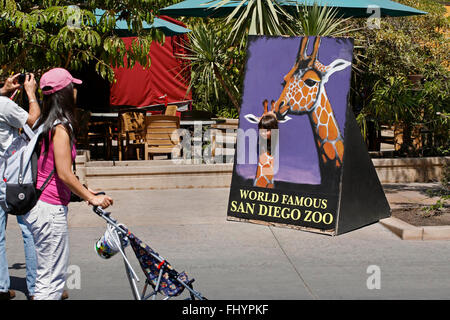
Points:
(32, 100)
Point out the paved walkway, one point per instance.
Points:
(232, 260)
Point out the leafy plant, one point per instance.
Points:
(256, 17)
(213, 61)
(385, 58)
(317, 20)
(228, 113)
(443, 193)
(435, 209)
(38, 35)
(393, 100)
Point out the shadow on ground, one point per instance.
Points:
(423, 189)
(18, 266)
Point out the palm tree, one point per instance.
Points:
(257, 17)
(210, 60)
(268, 17)
(318, 20)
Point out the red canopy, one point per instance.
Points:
(141, 87)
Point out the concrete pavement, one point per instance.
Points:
(232, 260)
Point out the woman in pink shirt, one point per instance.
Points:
(48, 219)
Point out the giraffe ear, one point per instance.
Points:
(285, 119)
(336, 65)
(251, 118)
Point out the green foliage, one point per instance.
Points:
(443, 193)
(319, 21)
(216, 67)
(384, 59)
(256, 17)
(435, 209)
(393, 100)
(229, 113)
(267, 17)
(38, 35)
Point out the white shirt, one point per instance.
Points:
(12, 117)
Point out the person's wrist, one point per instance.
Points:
(31, 96)
(30, 92)
(90, 199)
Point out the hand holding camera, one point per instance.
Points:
(21, 78)
(14, 82)
(29, 84)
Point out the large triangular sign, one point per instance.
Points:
(300, 158)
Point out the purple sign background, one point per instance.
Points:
(269, 60)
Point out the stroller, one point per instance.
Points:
(159, 273)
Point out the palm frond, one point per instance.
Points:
(256, 17)
(317, 20)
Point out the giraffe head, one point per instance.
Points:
(266, 114)
(304, 83)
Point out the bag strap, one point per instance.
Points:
(28, 131)
(47, 181)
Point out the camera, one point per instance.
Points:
(21, 78)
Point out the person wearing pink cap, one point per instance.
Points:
(48, 219)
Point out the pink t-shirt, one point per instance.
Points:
(56, 191)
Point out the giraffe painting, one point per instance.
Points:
(304, 93)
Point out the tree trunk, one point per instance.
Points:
(227, 90)
(373, 137)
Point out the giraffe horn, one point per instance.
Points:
(272, 103)
(265, 104)
(302, 51)
(315, 51)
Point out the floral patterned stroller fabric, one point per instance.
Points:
(151, 266)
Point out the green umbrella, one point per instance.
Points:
(346, 8)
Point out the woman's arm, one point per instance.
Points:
(63, 163)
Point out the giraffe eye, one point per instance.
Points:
(283, 83)
(310, 82)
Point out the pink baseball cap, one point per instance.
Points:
(57, 79)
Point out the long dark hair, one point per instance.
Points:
(58, 106)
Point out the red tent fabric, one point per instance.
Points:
(167, 75)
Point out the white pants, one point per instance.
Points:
(48, 224)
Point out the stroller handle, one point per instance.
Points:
(99, 211)
(106, 216)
